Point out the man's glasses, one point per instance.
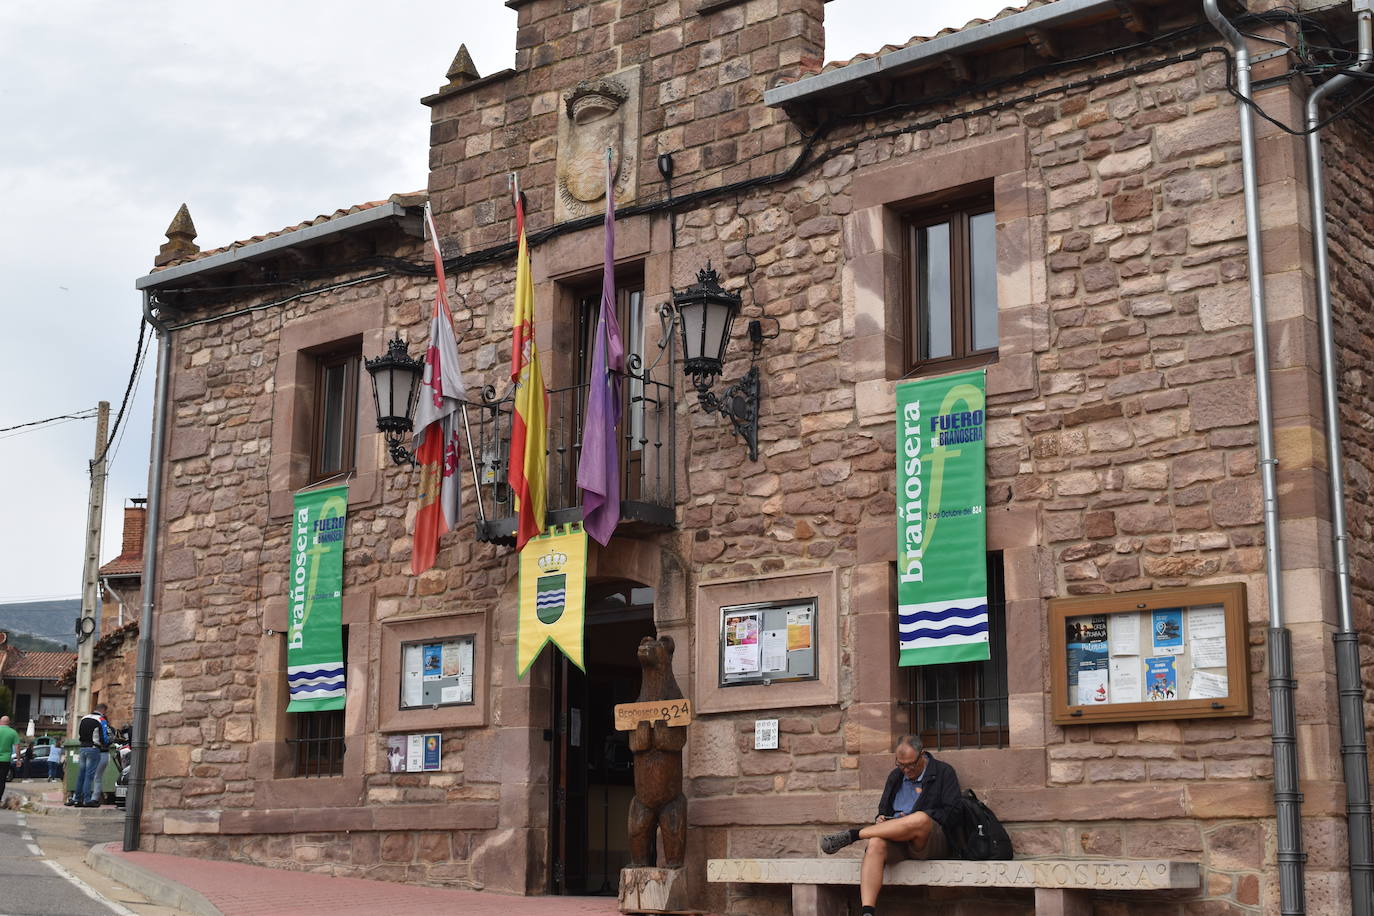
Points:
(909, 767)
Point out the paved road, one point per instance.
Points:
(43, 872)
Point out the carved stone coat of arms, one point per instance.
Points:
(597, 114)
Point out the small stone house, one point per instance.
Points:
(1054, 196)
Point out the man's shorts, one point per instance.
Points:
(937, 846)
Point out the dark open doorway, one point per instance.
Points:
(591, 768)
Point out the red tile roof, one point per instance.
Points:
(919, 39)
(414, 198)
(45, 665)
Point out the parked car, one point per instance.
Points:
(36, 767)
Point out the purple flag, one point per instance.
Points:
(598, 473)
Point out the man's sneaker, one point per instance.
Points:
(832, 843)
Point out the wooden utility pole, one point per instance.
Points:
(90, 576)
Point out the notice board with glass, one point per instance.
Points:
(768, 642)
(1178, 653)
(437, 672)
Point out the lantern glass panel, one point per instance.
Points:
(384, 381)
(716, 335)
(693, 325)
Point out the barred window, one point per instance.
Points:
(317, 747)
(965, 704)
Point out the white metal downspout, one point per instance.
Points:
(106, 587)
(1350, 686)
(1287, 798)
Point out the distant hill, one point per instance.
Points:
(38, 643)
(54, 621)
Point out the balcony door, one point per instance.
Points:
(632, 433)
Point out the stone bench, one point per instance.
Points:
(1063, 887)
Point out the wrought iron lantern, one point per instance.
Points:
(395, 389)
(705, 314)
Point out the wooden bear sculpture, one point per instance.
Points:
(658, 802)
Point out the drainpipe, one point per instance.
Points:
(1349, 684)
(105, 586)
(1287, 798)
(143, 677)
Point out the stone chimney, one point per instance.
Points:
(181, 239)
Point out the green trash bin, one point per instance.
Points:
(71, 765)
(109, 777)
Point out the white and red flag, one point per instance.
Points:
(437, 421)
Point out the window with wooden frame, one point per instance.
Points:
(951, 284)
(334, 439)
(964, 705)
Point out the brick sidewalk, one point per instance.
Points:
(249, 890)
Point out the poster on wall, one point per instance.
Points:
(741, 643)
(314, 635)
(942, 589)
(396, 754)
(1161, 678)
(553, 581)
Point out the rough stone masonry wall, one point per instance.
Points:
(1134, 446)
(1348, 150)
(703, 75)
(1130, 452)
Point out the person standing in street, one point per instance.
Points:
(106, 742)
(8, 739)
(55, 759)
(91, 735)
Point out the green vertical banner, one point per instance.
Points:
(314, 635)
(942, 580)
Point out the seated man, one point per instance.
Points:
(918, 795)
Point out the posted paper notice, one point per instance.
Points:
(741, 643)
(1206, 685)
(774, 650)
(1125, 672)
(1124, 630)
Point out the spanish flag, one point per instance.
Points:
(528, 468)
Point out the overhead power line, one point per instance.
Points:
(128, 391)
(79, 415)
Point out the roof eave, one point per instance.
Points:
(926, 53)
(349, 222)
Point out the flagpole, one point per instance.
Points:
(472, 459)
(462, 404)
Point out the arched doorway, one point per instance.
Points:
(591, 768)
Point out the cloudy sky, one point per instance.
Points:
(255, 114)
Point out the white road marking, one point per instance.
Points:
(88, 890)
(34, 850)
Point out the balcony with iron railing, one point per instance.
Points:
(647, 438)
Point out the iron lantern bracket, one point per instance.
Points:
(740, 405)
(740, 402)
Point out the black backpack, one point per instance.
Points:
(974, 832)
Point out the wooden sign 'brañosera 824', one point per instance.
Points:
(672, 712)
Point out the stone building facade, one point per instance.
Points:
(1121, 449)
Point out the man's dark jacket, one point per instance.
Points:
(939, 790)
(89, 732)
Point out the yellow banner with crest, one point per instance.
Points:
(553, 595)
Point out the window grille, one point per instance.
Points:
(318, 748)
